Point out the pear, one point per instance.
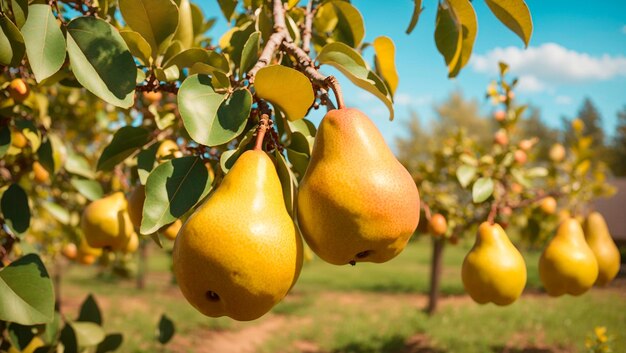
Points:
(567, 265)
(171, 231)
(356, 202)
(603, 247)
(136, 199)
(238, 254)
(105, 222)
(494, 270)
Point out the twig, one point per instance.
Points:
(260, 131)
(308, 25)
(273, 43)
(426, 209)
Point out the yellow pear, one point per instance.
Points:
(167, 149)
(131, 245)
(171, 231)
(567, 265)
(105, 222)
(40, 173)
(494, 270)
(239, 253)
(136, 200)
(87, 255)
(603, 247)
(356, 202)
(18, 139)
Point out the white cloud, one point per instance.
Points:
(551, 64)
(407, 100)
(563, 100)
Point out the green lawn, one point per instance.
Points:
(365, 308)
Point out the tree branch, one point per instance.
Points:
(260, 131)
(308, 25)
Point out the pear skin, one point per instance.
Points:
(567, 265)
(603, 247)
(356, 202)
(105, 222)
(136, 200)
(494, 270)
(239, 253)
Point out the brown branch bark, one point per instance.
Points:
(308, 27)
(260, 132)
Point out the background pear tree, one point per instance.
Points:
(92, 91)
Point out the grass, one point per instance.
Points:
(362, 309)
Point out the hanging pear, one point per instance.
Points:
(239, 253)
(105, 222)
(356, 202)
(567, 265)
(603, 247)
(494, 270)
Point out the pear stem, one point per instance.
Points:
(260, 131)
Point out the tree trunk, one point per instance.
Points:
(142, 265)
(435, 274)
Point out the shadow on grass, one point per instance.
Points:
(393, 344)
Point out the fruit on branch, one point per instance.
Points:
(131, 245)
(567, 265)
(40, 173)
(494, 270)
(18, 90)
(517, 188)
(603, 247)
(527, 144)
(356, 202)
(70, 251)
(520, 156)
(153, 97)
(105, 222)
(86, 254)
(501, 138)
(557, 152)
(168, 149)
(171, 231)
(438, 224)
(136, 200)
(18, 140)
(548, 205)
(239, 253)
(500, 115)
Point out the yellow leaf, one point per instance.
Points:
(386, 61)
(286, 88)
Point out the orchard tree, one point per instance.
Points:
(129, 117)
(618, 146)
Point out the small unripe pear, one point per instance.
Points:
(501, 138)
(557, 152)
(153, 97)
(520, 156)
(40, 173)
(500, 115)
(18, 90)
(438, 224)
(548, 205)
(18, 139)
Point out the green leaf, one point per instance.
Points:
(89, 311)
(287, 88)
(101, 60)
(59, 213)
(137, 45)
(20, 335)
(537, 172)
(198, 103)
(78, 165)
(515, 15)
(168, 75)
(417, 11)
(45, 44)
(15, 209)
(68, 339)
(12, 45)
(110, 343)
(51, 331)
(250, 53)
(351, 64)
(482, 189)
(172, 189)
(145, 162)
(45, 156)
(228, 8)
(448, 37)
(155, 20)
(465, 174)
(88, 334)
(288, 182)
(189, 57)
(126, 141)
(386, 62)
(299, 161)
(165, 330)
(228, 158)
(465, 14)
(20, 11)
(184, 33)
(26, 295)
(343, 20)
(5, 139)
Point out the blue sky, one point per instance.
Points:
(578, 49)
